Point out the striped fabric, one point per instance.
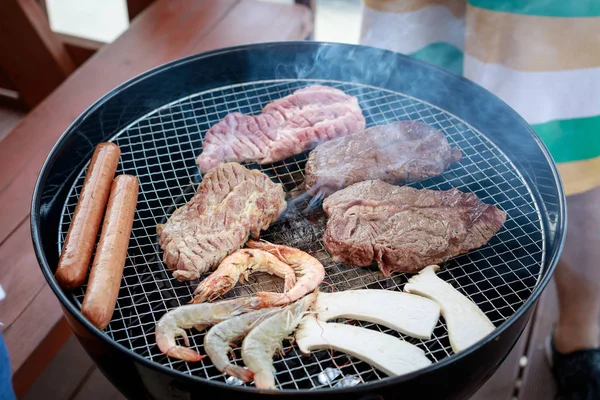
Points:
(542, 57)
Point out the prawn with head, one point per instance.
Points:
(218, 341)
(198, 316)
(265, 339)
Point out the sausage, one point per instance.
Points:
(79, 245)
(107, 270)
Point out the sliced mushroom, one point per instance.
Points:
(391, 355)
(409, 314)
(466, 323)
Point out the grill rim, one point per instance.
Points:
(35, 225)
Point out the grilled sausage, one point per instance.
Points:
(107, 269)
(81, 237)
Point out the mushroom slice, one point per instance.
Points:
(387, 353)
(406, 313)
(467, 324)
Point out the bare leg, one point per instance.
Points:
(578, 277)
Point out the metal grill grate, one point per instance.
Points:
(160, 149)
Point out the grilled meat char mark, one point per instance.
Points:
(400, 152)
(405, 229)
(287, 126)
(231, 204)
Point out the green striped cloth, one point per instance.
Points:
(542, 57)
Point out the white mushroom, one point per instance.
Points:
(390, 355)
(409, 314)
(466, 323)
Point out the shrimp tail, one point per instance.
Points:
(183, 353)
(264, 381)
(168, 346)
(241, 373)
(270, 299)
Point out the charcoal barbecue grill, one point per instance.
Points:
(159, 118)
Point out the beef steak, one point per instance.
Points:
(231, 203)
(405, 229)
(401, 152)
(285, 127)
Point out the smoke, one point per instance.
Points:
(340, 62)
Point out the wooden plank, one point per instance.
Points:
(537, 381)
(80, 49)
(97, 387)
(34, 339)
(20, 275)
(4, 81)
(9, 118)
(502, 384)
(10, 98)
(28, 46)
(169, 28)
(65, 374)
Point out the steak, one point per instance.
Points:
(287, 126)
(401, 152)
(231, 204)
(405, 229)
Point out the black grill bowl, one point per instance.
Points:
(159, 118)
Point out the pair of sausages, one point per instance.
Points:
(107, 269)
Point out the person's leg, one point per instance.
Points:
(575, 352)
(578, 276)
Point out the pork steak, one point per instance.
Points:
(400, 152)
(231, 204)
(287, 126)
(405, 229)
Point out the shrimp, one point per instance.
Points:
(217, 341)
(265, 339)
(173, 323)
(239, 265)
(310, 271)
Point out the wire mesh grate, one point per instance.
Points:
(160, 149)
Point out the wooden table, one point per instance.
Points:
(34, 328)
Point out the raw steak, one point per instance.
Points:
(231, 203)
(405, 229)
(401, 152)
(285, 127)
